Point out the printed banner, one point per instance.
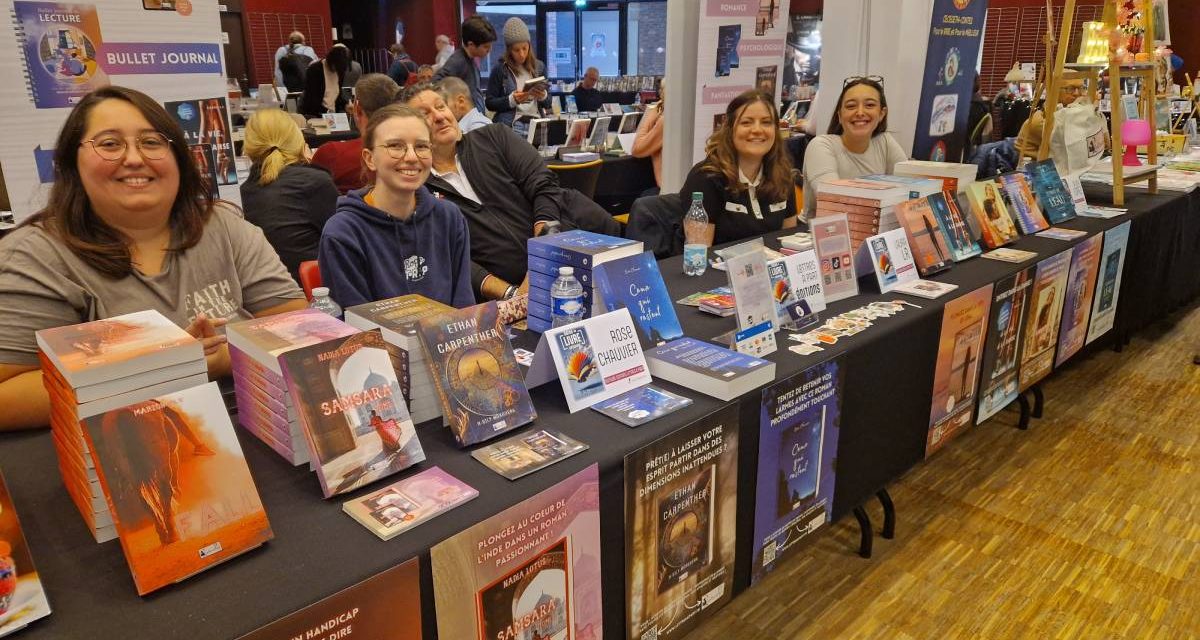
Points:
(955, 35)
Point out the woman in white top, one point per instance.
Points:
(857, 144)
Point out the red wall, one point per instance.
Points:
(807, 7)
(423, 21)
(267, 24)
(1185, 25)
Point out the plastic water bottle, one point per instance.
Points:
(566, 298)
(695, 237)
(323, 302)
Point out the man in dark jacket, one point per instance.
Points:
(505, 191)
(477, 37)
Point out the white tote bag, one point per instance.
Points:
(1079, 138)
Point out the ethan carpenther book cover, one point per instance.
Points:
(174, 472)
(355, 420)
(478, 379)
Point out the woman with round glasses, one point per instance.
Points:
(857, 143)
(129, 225)
(290, 199)
(394, 237)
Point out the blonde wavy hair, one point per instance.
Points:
(273, 142)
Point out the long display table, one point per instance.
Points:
(318, 550)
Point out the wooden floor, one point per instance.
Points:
(1086, 526)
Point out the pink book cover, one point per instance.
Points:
(264, 339)
(117, 347)
(414, 500)
(246, 364)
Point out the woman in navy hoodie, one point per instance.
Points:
(394, 237)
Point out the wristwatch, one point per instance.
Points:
(510, 292)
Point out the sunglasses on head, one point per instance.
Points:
(852, 79)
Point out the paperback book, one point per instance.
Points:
(530, 571)
(1051, 192)
(1021, 204)
(634, 282)
(681, 527)
(119, 347)
(1015, 256)
(1108, 287)
(354, 417)
(1058, 233)
(991, 214)
(1044, 311)
(523, 454)
(407, 503)
(929, 289)
(956, 372)
(24, 599)
(582, 249)
(174, 472)
(636, 407)
(797, 448)
(953, 225)
(925, 237)
(710, 369)
(999, 383)
(476, 374)
(1077, 307)
(831, 235)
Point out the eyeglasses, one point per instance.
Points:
(399, 149)
(1073, 90)
(152, 146)
(852, 79)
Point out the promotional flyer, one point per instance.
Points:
(955, 35)
(1077, 307)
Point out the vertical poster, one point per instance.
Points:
(1081, 285)
(957, 370)
(530, 571)
(386, 606)
(206, 121)
(1108, 285)
(797, 449)
(998, 385)
(1043, 312)
(680, 527)
(955, 34)
(741, 47)
(55, 53)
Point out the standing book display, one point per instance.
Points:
(634, 282)
(991, 214)
(831, 237)
(957, 368)
(925, 238)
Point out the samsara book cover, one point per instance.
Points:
(478, 379)
(178, 482)
(533, 601)
(678, 567)
(22, 598)
(530, 571)
(352, 409)
(61, 44)
(956, 372)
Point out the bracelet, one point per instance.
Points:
(510, 292)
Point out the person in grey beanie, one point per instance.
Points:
(509, 93)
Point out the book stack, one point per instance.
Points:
(99, 366)
(869, 203)
(582, 250)
(397, 319)
(264, 407)
(955, 176)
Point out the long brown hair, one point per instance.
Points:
(531, 61)
(722, 157)
(835, 125)
(68, 214)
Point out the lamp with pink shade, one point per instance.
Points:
(1134, 133)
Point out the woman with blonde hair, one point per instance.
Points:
(746, 178)
(286, 196)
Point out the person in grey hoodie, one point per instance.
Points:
(394, 237)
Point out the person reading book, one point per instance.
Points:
(129, 225)
(285, 196)
(394, 237)
(511, 88)
(857, 142)
(746, 176)
(506, 192)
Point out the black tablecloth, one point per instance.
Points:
(318, 550)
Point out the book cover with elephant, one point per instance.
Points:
(178, 485)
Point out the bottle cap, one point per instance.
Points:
(697, 195)
(566, 271)
(320, 291)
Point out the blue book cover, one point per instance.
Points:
(578, 248)
(61, 44)
(1050, 191)
(635, 283)
(636, 407)
(545, 280)
(954, 227)
(707, 359)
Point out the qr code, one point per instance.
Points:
(769, 553)
(651, 634)
(816, 522)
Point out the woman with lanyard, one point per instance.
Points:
(394, 237)
(746, 178)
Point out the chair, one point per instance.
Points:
(658, 222)
(582, 176)
(310, 277)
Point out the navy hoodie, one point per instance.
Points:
(366, 255)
